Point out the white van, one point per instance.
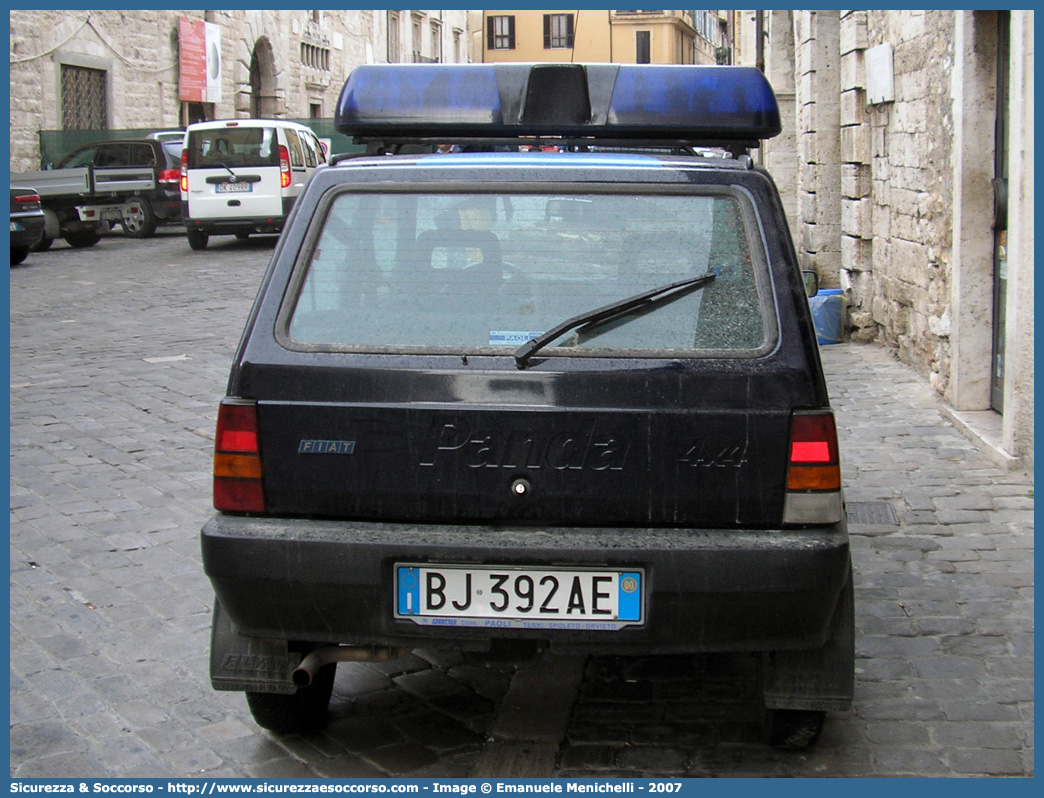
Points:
(241, 176)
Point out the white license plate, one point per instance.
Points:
(234, 188)
(519, 598)
(113, 215)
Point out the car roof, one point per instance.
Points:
(100, 142)
(218, 124)
(500, 164)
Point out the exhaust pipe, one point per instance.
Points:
(310, 665)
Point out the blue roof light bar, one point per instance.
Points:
(420, 96)
(601, 101)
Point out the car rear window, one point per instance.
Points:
(401, 271)
(232, 146)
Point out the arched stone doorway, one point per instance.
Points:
(263, 97)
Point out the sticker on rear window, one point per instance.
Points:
(509, 338)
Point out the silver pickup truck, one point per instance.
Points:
(94, 187)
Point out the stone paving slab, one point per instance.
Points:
(118, 357)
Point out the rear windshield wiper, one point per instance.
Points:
(611, 311)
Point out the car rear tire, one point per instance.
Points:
(792, 729)
(82, 240)
(291, 713)
(141, 224)
(18, 254)
(42, 245)
(198, 239)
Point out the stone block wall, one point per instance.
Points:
(875, 184)
(905, 146)
(139, 52)
(137, 49)
(817, 106)
(915, 203)
(857, 250)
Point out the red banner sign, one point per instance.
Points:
(192, 76)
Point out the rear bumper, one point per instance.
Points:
(706, 590)
(166, 204)
(217, 227)
(229, 225)
(26, 230)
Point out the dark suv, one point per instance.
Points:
(569, 398)
(161, 204)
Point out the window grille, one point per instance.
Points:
(84, 104)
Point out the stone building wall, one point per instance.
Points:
(819, 170)
(895, 197)
(857, 250)
(912, 192)
(781, 158)
(876, 186)
(138, 50)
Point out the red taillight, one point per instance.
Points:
(813, 470)
(170, 176)
(26, 199)
(184, 171)
(284, 166)
(238, 485)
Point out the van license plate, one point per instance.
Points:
(519, 598)
(234, 188)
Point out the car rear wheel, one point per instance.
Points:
(42, 245)
(198, 239)
(142, 221)
(302, 711)
(87, 238)
(18, 254)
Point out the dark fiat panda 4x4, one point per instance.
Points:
(569, 397)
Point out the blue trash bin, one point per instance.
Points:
(828, 315)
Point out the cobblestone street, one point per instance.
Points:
(118, 357)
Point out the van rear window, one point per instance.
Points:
(232, 146)
(471, 272)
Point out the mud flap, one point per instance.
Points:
(820, 679)
(251, 664)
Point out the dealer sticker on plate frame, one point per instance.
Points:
(519, 598)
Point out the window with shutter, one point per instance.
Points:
(500, 33)
(558, 31)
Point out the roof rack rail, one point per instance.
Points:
(645, 105)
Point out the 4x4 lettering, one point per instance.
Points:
(703, 455)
